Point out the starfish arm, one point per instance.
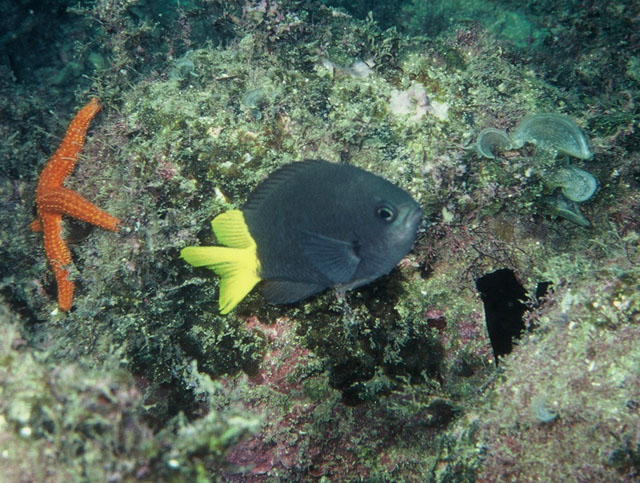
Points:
(64, 159)
(53, 201)
(70, 203)
(36, 225)
(59, 257)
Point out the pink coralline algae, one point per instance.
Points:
(291, 441)
(281, 359)
(274, 448)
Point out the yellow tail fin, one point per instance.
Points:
(237, 263)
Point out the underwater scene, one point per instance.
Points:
(319, 241)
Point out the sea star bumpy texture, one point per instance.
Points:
(53, 201)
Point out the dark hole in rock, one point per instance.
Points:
(504, 299)
(77, 231)
(543, 289)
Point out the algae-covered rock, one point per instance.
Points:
(144, 379)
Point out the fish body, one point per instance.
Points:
(309, 226)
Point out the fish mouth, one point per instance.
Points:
(412, 218)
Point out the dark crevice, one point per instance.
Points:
(505, 307)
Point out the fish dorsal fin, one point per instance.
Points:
(237, 264)
(231, 230)
(275, 180)
(286, 292)
(336, 260)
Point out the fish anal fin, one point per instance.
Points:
(286, 292)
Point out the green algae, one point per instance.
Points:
(581, 363)
(539, 409)
(587, 393)
(254, 100)
(491, 140)
(554, 132)
(560, 135)
(561, 206)
(576, 184)
(183, 68)
(77, 416)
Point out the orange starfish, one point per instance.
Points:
(53, 201)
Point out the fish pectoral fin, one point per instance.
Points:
(286, 292)
(335, 259)
(238, 267)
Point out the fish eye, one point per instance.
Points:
(385, 213)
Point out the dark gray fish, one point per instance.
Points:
(309, 226)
